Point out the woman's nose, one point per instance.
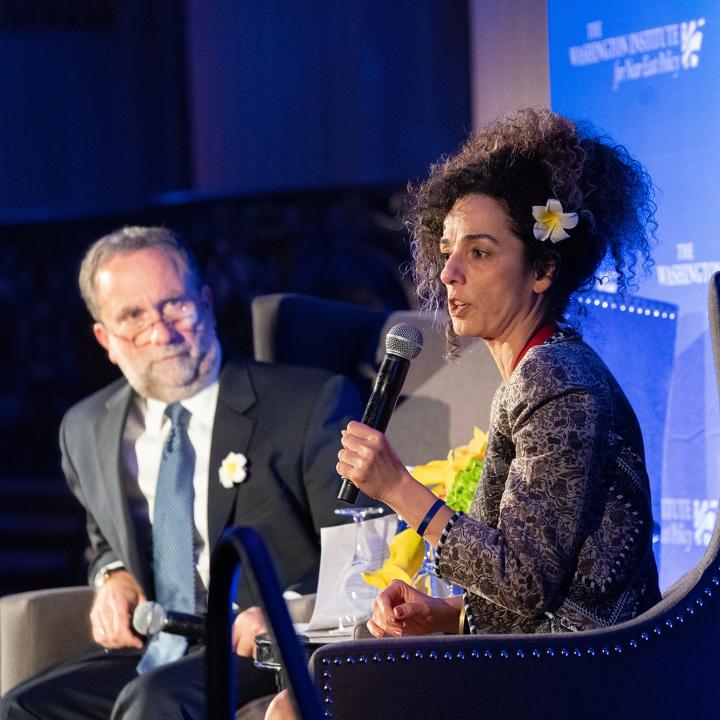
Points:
(451, 272)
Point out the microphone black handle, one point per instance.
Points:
(380, 406)
(189, 626)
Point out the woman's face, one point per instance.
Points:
(490, 287)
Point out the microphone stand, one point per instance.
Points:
(237, 546)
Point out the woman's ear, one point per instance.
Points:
(547, 268)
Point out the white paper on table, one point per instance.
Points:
(337, 545)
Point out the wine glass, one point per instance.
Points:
(354, 595)
(428, 582)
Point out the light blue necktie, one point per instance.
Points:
(172, 533)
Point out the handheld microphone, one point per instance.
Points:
(403, 343)
(151, 618)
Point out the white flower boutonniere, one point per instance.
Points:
(232, 470)
(552, 222)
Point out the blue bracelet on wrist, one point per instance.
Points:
(429, 516)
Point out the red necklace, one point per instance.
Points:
(538, 338)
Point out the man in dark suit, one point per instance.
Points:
(262, 441)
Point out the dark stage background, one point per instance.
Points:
(277, 137)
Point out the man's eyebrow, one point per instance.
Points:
(127, 311)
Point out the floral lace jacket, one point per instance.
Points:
(559, 534)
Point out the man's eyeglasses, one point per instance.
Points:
(139, 328)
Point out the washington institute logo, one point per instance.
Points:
(665, 50)
(688, 522)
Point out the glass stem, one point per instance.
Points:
(358, 547)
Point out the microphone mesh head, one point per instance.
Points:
(149, 618)
(404, 340)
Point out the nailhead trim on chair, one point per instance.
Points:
(477, 654)
(642, 306)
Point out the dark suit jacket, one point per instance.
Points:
(286, 420)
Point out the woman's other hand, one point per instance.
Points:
(401, 610)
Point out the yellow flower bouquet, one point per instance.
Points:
(454, 480)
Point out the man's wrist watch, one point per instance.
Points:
(109, 573)
(105, 573)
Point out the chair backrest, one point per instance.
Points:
(304, 330)
(662, 664)
(636, 339)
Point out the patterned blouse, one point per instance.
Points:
(559, 534)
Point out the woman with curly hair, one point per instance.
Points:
(559, 534)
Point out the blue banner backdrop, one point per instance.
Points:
(649, 75)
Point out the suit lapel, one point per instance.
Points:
(109, 434)
(232, 431)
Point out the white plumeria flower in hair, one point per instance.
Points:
(552, 222)
(232, 470)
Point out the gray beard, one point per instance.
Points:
(207, 371)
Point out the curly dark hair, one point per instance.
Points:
(523, 161)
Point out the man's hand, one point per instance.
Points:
(401, 610)
(247, 625)
(111, 613)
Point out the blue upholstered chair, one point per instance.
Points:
(663, 664)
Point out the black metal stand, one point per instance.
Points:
(237, 546)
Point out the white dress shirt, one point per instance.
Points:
(146, 430)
